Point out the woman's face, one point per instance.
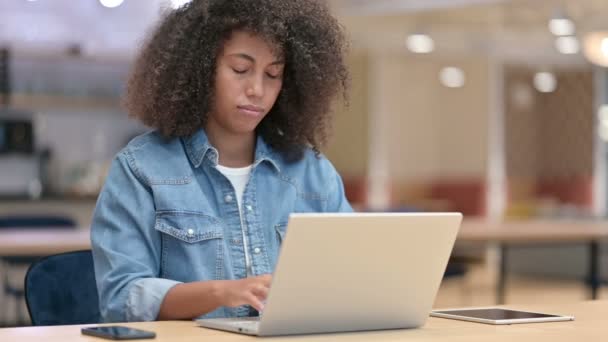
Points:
(248, 79)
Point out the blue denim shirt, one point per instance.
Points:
(166, 216)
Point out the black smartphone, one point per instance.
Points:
(116, 332)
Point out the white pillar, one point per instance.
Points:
(600, 86)
(496, 168)
(378, 182)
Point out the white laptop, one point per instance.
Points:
(353, 272)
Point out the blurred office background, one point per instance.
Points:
(495, 108)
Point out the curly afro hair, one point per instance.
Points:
(171, 85)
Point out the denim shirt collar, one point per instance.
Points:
(198, 147)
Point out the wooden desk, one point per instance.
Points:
(40, 242)
(535, 232)
(589, 325)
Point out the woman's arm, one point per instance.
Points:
(190, 300)
(126, 247)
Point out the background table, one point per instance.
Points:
(538, 232)
(41, 242)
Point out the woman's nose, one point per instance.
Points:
(256, 86)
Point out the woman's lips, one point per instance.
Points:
(252, 111)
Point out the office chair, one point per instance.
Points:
(455, 268)
(60, 289)
(13, 263)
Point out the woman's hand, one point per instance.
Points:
(248, 291)
(191, 300)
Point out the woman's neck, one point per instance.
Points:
(235, 150)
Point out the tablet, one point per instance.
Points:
(499, 316)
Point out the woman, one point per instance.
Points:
(192, 215)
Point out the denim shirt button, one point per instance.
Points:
(190, 232)
(257, 250)
(228, 198)
(250, 208)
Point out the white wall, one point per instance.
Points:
(437, 131)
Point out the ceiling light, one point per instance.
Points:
(420, 43)
(545, 82)
(522, 96)
(567, 45)
(595, 46)
(452, 77)
(111, 3)
(561, 26)
(604, 46)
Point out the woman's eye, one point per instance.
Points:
(239, 71)
(272, 76)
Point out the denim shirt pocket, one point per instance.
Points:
(191, 241)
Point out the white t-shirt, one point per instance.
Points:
(238, 176)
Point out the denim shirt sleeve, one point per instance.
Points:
(126, 247)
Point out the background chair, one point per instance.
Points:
(14, 267)
(61, 289)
